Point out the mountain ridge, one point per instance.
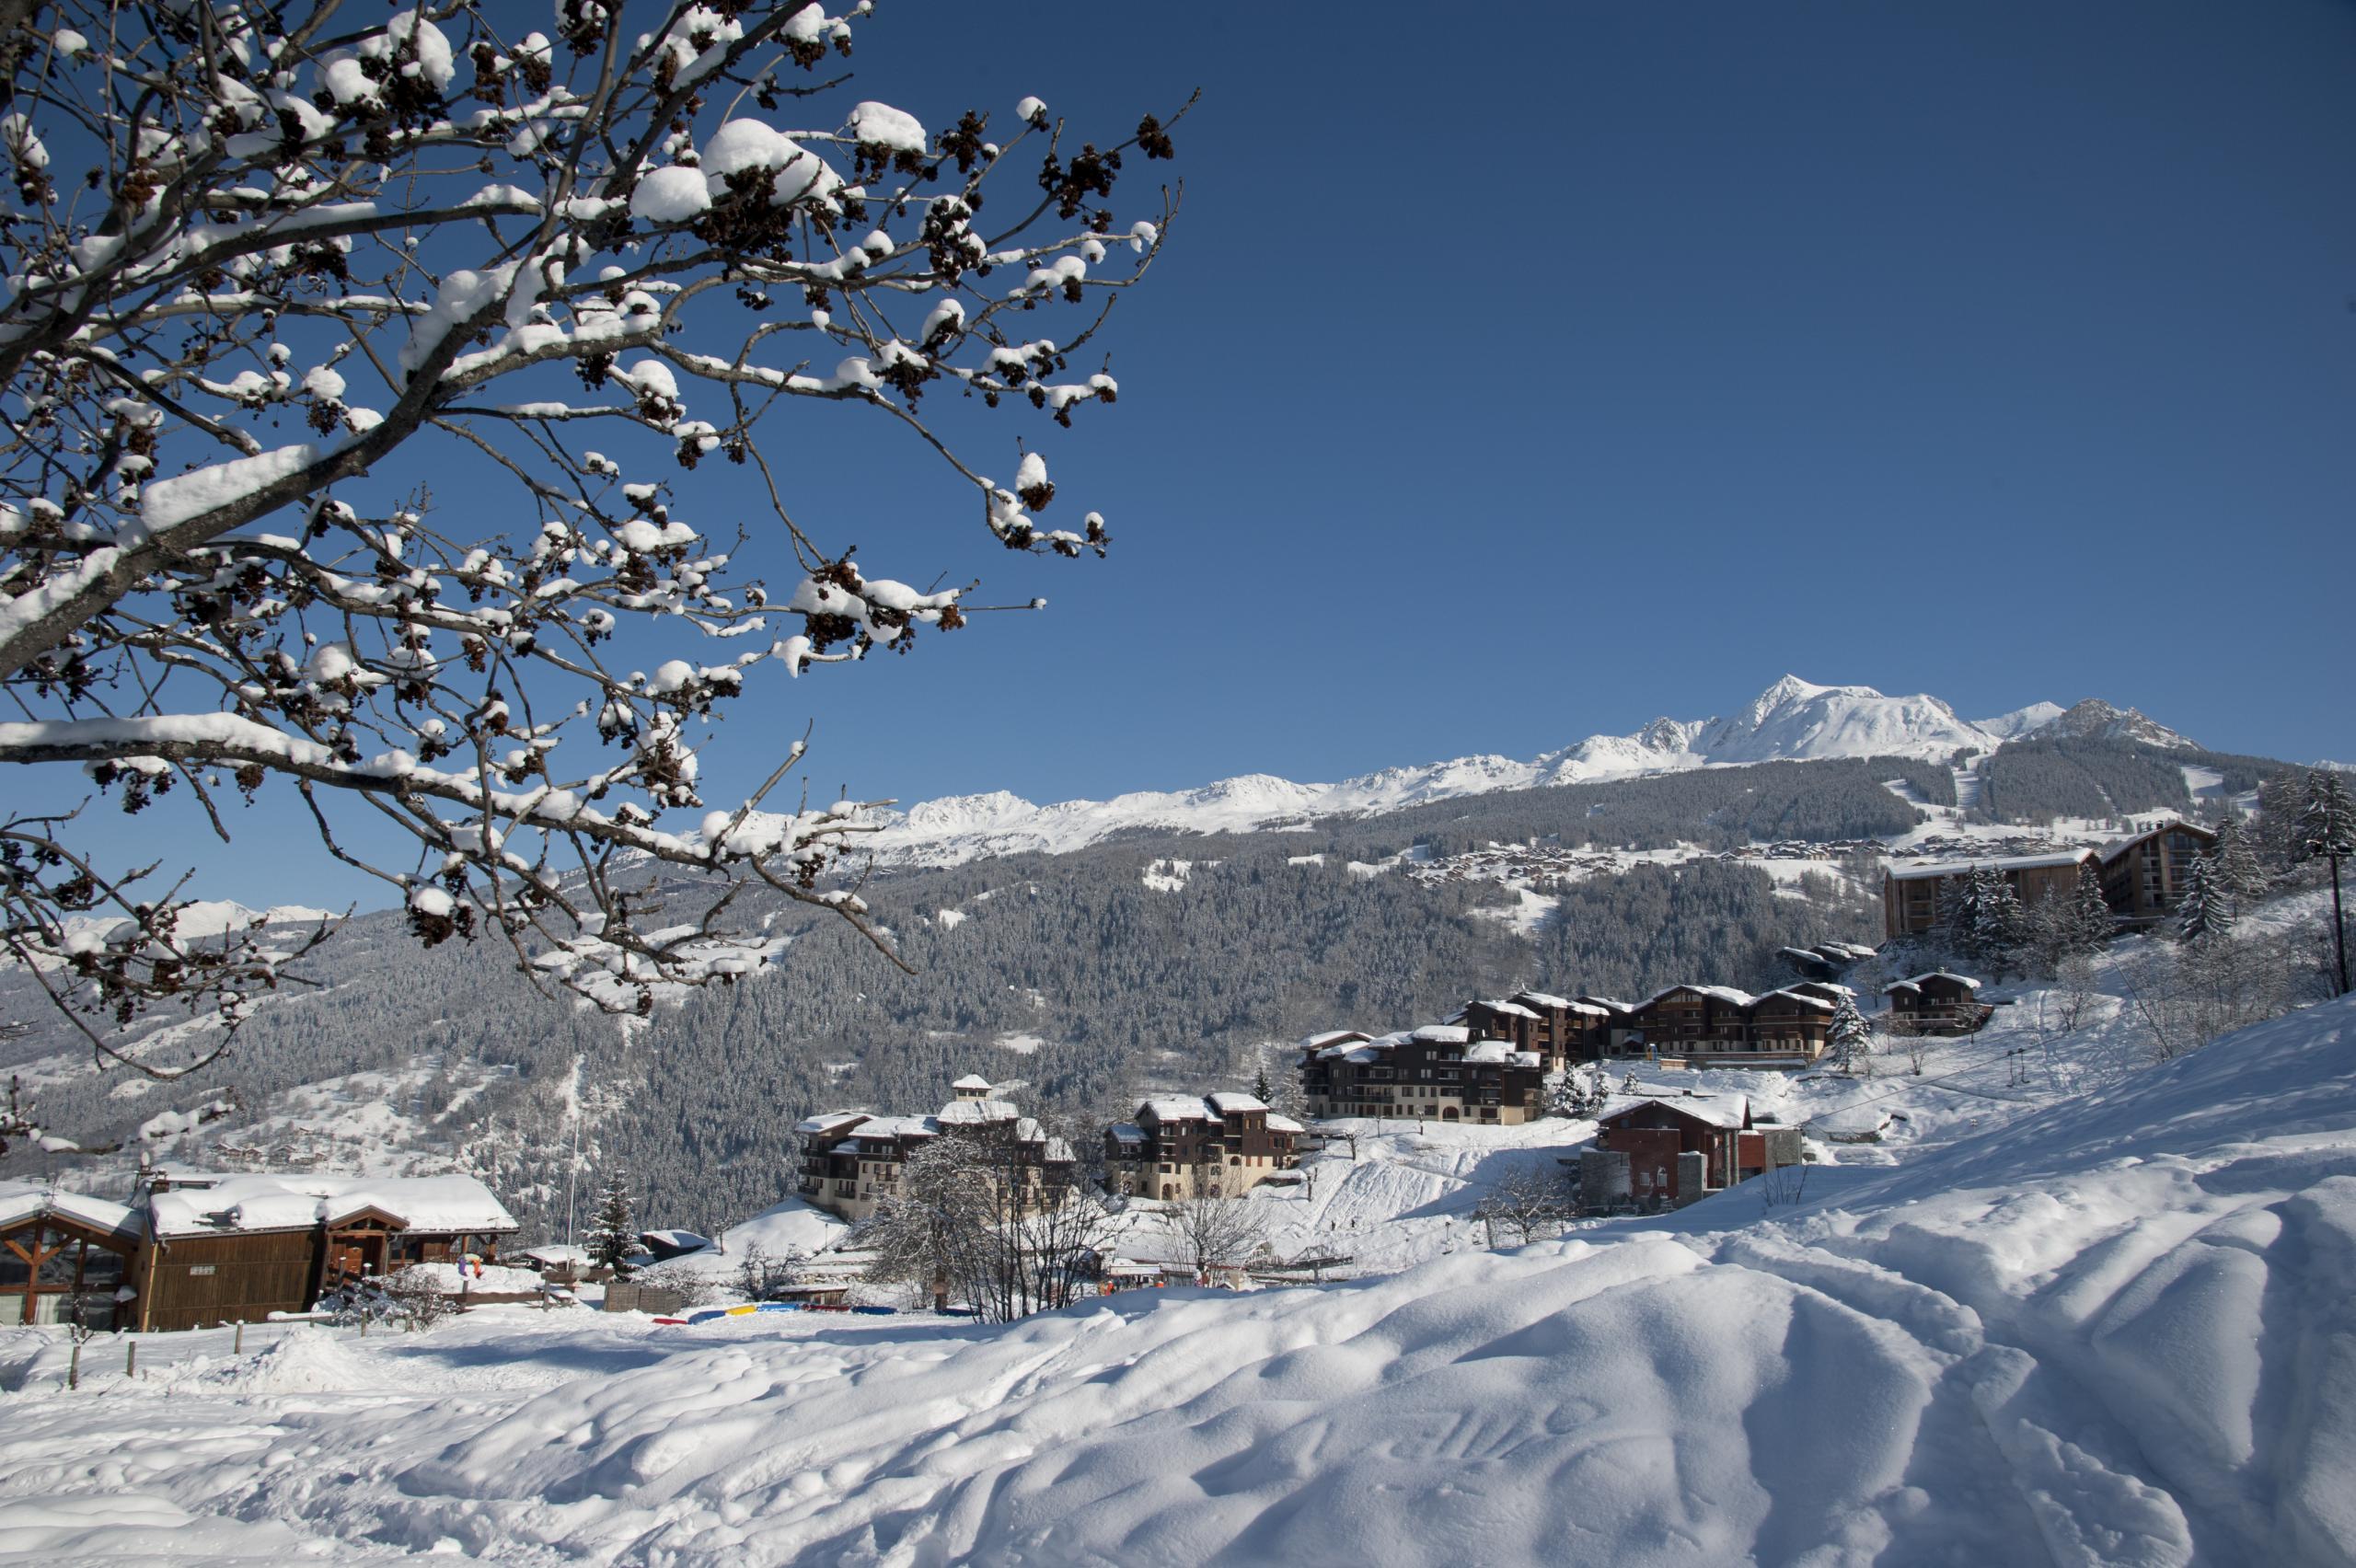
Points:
(1792, 720)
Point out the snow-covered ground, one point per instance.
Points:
(2120, 1329)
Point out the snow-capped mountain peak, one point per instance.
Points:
(1798, 719)
(1793, 719)
(2095, 720)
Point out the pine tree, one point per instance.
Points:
(2090, 922)
(1262, 1090)
(2328, 832)
(2234, 864)
(2206, 910)
(1959, 908)
(614, 1235)
(1850, 1036)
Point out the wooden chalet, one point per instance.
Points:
(1665, 1151)
(1688, 1019)
(1940, 1002)
(1219, 1144)
(851, 1159)
(1559, 1029)
(2143, 876)
(196, 1250)
(65, 1257)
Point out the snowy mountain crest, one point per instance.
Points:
(1793, 719)
(2095, 720)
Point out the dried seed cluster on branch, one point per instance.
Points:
(416, 234)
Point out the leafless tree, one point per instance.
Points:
(1214, 1229)
(1527, 1200)
(979, 1217)
(598, 265)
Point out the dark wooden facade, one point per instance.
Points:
(2143, 877)
(196, 1281)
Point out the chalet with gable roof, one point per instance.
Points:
(195, 1248)
(1940, 1002)
(1439, 1072)
(851, 1159)
(1215, 1145)
(1664, 1151)
(1559, 1029)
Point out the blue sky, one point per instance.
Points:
(1520, 373)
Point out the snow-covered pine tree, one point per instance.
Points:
(2327, 832)
(2206, 911)
(2234, 863)
(613, 1235)
(1996, 925)
(2090, 922)
(1850, 1038)
(1959, 909)
(396, 239)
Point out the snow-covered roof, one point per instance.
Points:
(1609, 1004)
(1543, 999)
(297, 1201)
(1229, 1104)
(1511, 1010)
(1488, 1051)
(1717, 1110)
(1282, 1123)
(886, 1129)
(1991, 862)
(1171, 1108)
(1915, 982)
(971, 1112)
(684, 1241)
(1817, 1003)
(2118, 847)
(1127, 1132)
(1726, 994)
(1330, 1037)
(21, 1202)
(828, 1121)
(972, 1081)
(1443, 1034)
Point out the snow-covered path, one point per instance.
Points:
(2120, 1330)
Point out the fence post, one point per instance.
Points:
(238, 1345)
(74, 1368)
(131, 1359)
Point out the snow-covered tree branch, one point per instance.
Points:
(435, 245)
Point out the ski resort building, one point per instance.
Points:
(1440, 1071)
(1910, 896)
(1665, 1151)
(193, 1249)
(2143, 876)
(1216, 1146)
(1559, 1029)
(851, 1159)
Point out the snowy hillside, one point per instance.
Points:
(2111, 1331)
(1791, 720)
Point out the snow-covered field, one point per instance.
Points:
(2040, 1322)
